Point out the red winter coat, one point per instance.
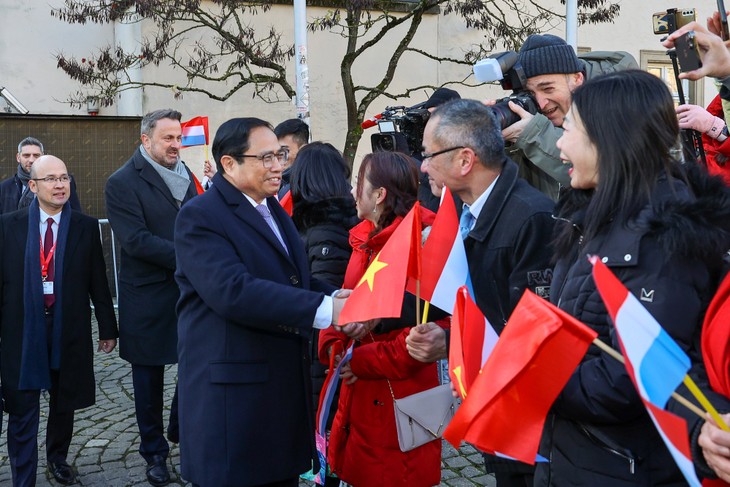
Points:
(717, 153)
(363, 448)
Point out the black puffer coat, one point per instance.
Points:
(598, 432)
(325, 229)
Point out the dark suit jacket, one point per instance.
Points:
(245, 316)
(12, 188)
(508, 249)
(142, 214)
(84, 276)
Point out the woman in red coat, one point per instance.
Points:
(363, 449)
(715, 140)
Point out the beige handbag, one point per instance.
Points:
(423, 417)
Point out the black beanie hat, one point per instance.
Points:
(548, 54)
(440, 96)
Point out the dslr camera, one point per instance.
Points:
(401, 129)
(503, 67)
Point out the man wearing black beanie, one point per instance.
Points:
(553, 71)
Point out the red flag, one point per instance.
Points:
(472, 341)
(444, 269)
(716, 339)
(414, 255)
(198, 186)
(287, 203)
(508, 402)
(379, 294)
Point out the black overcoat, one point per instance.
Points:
(142, 214)
(84, 277)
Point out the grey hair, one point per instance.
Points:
(150, 120)
(471, 124)
(30, 141)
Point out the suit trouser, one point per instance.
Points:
(23, 435)
(148, 382)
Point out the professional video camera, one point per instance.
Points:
(401, 129)
(504, 67)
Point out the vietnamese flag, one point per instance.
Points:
(508, 402)
(287, 203)
(379, 293)
(472, 340)
(194, 132)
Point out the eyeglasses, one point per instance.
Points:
(52, 180)
(268, 159)
(429, 155)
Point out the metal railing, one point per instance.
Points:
(103, 225)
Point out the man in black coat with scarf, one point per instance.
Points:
(143, 199)
(14, 191)
(45, 319)
(506, 226)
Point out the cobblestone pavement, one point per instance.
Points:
(106, 439)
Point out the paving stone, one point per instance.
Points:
(105, 446)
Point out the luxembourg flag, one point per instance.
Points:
(195, 132)
(444, 267)
(654, 361)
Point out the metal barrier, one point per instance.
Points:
(109, 244)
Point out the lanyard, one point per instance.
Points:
(46, 260)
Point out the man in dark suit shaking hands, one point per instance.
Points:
(246, 312)
(143, 199)
(51, 263)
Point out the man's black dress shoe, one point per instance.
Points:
(157, 473)
(62, 472)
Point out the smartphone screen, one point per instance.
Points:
(687, 53)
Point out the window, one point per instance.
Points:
(659, 64)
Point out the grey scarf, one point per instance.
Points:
(176, 179)
(26, 195)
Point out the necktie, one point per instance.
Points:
(266, 214)
(49, 299)
(465, 222)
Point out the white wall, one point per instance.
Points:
(31, 38)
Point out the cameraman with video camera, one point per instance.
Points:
(552, 72)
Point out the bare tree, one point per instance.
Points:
(245, 54)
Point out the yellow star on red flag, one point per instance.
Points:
(369, 276)
(384, 299)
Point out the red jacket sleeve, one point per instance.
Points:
(385, 359)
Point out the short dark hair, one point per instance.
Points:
(294, 127)
(232, 138)
(398, 174)
(30, 141)
(471, 124)
(149, 121)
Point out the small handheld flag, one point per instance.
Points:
(195, 132)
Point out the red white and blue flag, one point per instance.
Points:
(195, 132)
(444, 267)
(654, 361)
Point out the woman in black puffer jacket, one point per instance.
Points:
(324, 212)
(662, 228)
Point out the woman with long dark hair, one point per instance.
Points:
(324, 209)
(363, 449)
(323, 212)
(662, 228)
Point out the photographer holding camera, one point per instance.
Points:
(553, 71)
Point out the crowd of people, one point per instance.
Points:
(243, 296)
